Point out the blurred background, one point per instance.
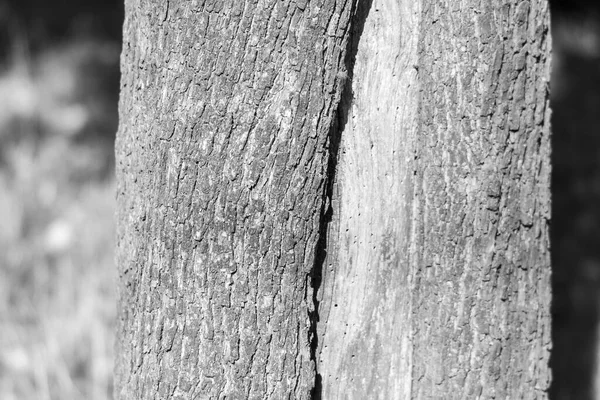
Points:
(59, 80)
(575, 225)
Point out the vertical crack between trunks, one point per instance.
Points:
(360, 11)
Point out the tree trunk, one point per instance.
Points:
(393, 155)
(225, 110)
(437, 280)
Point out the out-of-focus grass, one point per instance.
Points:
(57, 122)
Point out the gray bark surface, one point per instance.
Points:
(364, 302)
(222, 152)
(482, 298)
(312, 207)
(438, 252)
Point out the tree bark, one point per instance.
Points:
(337, 200)
(436, 283)
(226, 108)
(484, 174)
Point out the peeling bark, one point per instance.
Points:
(436, 283)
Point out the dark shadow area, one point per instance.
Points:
(60, 60)
(44, 22)
(575, 225)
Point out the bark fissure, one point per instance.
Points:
(360, 11)
(326, 216)
(364, 307)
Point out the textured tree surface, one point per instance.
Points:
(482, 297)
(393, 155)
(436, 283)
(222, 153)
(364, 328)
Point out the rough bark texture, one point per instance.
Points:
(481, 304)
(429, 248)
(438, 253)
(222, 154)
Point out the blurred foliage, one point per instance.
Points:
(59, 78)
(44, 22)
(575, 227)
